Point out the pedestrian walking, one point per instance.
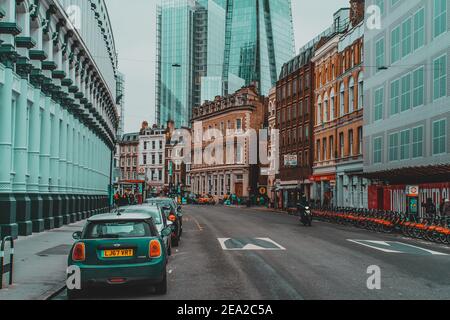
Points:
(430, 208)
(446, 208)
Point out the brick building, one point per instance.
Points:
(239, 112)
(295, 119)
(128, 156)
(339, 101)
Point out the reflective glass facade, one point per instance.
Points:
(175, 61)
(214, 47)
(259, 40)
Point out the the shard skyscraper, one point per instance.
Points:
(207, 48)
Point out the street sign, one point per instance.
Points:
(290, 160)
(412, 191)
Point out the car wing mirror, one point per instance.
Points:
(76, 235)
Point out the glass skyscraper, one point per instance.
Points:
(259, 40)
(207, 48)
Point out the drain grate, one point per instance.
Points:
(61, 250)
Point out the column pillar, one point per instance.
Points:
(245, 184)
(59, 203)
(21, 160)
(8, 225)
(44, 163)
(34, 145)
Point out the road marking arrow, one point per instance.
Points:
(396, 247)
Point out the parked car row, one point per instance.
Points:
(129, 246)
(202, 200)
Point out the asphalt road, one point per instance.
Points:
(321, 262)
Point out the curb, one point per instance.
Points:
(53, 293)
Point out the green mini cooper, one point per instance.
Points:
(120, 249)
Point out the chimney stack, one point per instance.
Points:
(357, 8)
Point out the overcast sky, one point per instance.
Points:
(134, 32)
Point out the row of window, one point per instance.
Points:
(231, 125)
(129, 161)
(409, 35)
(326, 108)
(153, 159)
(129, 149)
(325, 148)
(408, 91)
(293, 112)
(295, 135)
(298, 85)
(409, 144)
(350, 58)
(153, 145)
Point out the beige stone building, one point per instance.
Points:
(237, 113)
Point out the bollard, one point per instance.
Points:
(8, 267)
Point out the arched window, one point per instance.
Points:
(361, 90)
(325, 108)
(351, 93)
(332, 105)
(319, 110)
(342, 100)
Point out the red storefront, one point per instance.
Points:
(324, 184)
(394, 197)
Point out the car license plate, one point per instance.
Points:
(118, 253)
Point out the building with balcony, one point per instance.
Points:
(58, 118)
(406, 134)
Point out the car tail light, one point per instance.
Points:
(79, 252)
(172, 218)
(155, 249)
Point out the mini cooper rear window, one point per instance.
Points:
(118, 230)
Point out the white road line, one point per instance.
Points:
(396, 247)
(373, 247)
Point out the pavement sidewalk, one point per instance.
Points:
(40, 263)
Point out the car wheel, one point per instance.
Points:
(161, 288)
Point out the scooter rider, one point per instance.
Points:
(304, 211)
(301, 206)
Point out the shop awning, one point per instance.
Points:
(420, 174)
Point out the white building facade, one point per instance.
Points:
(58, 119)
(152, 144)
(406, 134)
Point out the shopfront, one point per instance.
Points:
(395, 197)
(324, 189)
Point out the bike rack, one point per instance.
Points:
(6, 268)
